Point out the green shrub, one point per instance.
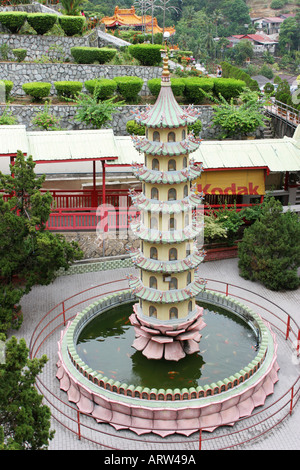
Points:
(178, 54)
(277, 4)
(266, 71)
(133, 128)
(8, 87)
(67, 89)
(194, 88)
(269, 88)
(146, 54)
(129, 87)
(7, 118)
(71, 25)
(90, 55)
(177, 85)
(228, 87)
(230, 71)
(13, 20)
(20, 54)
(270, 249)
(41, 22)
(196, 127)
(37, 90)
(105, 87)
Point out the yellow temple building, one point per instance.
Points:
(129, 18)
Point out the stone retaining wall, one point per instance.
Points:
(35, 72)
(66, 113)
(38, 46)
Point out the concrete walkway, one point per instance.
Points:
(286, 436)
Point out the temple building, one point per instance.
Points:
(129, 18)
(167, 319)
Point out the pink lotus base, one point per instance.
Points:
(164, 341)
(165, 418)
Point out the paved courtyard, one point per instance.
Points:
(285, 436)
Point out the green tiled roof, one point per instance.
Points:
(140, 201)
(166, 177)
(171, 236)
(176, 266)
(166, 148)
(165, 297)
(166, 112)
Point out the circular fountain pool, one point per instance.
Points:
(228, 345)
(234, 372)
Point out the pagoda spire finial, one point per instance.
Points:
(165, 73)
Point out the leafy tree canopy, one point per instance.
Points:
(270, 249)
(25, 421)
(29, 253)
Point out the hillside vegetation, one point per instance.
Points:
(263, 8)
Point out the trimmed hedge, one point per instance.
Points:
(194, 88)
(105, 87)
(20, 54)
(177, 85)
(146, 54)
(129, 87)
(230, 71)
(68, 89)
(41, 22)
(8, 87)
(71, 25)
(133, 128)
(90, 55)
(228, 87)
(13, 20)
(37, 90)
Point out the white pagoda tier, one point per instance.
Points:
(167, 320)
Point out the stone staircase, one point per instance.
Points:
(268, 132)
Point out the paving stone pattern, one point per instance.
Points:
(41, 299)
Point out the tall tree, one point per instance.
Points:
(24, 420)
(28, 252)
(270, 249)
(289, 35)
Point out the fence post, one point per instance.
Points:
(226, 290)
(288, 327)
(64, 312)
(78, 424)
(291, 402)
(200, 438)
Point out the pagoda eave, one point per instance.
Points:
(175, 236)
(142, 203)
(169, 267)
(165, 297)
(167, 177)
(149, 147)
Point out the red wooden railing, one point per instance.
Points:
(84, 209)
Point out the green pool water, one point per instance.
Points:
(227, 345)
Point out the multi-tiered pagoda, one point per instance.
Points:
(167, 320)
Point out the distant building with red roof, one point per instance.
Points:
(261, 42)
(271, 24)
